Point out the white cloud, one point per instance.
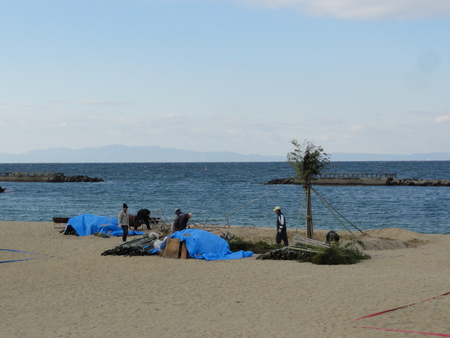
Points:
(89, 102)
(364, 9)
(443, 118)
(356, 128)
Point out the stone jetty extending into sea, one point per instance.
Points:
(44, 177)
(363, 179)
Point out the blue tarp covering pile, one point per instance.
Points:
(87, 224)
(202, 244)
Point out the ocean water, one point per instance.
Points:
(234, 194)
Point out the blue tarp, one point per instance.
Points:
(202, 244)
(113, 230)
(87, 224)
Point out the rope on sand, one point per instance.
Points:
(20, 260)
(34, 253)
(25, 259)
(405, 331)
(401, 307)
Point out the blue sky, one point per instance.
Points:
(241, 76)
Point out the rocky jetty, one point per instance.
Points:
(289, 180)
(44, 177)
(415, 182)
(80, 178)
(366, 181)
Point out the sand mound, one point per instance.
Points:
(380, 239)
(391, 238)
(396, 233)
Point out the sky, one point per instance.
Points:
(245, 76)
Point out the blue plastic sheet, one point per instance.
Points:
(113, 230)
(87, 224)
(202, 244)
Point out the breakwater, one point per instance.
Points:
(44, 177)
(370, 179)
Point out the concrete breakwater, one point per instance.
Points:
(44, 177)
(363, 179)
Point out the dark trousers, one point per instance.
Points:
(125, 232)
(282, 237)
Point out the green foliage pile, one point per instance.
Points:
(259, 247)
(336, 254)
(288, 254)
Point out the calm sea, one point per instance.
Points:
(233, 193)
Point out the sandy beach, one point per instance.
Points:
(63, 287)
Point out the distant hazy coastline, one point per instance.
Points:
(121, 153)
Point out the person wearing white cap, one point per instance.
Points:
(281, 227)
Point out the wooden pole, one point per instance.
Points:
(309, 223)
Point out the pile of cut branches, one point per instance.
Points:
(136, 247)
(333, 255)
(259, 247)
(288, 253)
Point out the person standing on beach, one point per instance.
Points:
(281, 227)
(124, 221)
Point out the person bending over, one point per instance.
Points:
(184, 218)
(143, 216)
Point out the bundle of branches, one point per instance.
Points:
(333, 255)
(289, 253)
(136, 247)
(237, 244)
(341, 254)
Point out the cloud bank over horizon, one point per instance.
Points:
(362, 9)
(243, 76)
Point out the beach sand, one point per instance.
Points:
(67, 289)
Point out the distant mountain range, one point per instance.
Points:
(120, 153)
(439, 156)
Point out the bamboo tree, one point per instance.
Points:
(307, 160)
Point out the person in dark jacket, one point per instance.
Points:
(143, 216)
(176, 220)
(281, 227)
(183, 219)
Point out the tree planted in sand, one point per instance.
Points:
(307, 160)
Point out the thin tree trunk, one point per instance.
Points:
(309, 221)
